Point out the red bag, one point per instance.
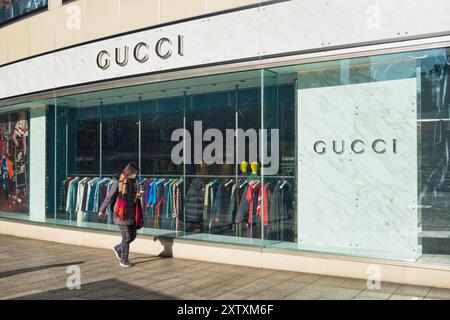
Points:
(138, 216)
(120, 208)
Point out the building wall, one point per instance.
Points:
(84, 20)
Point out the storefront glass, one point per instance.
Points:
(14, 165)
(345, 157)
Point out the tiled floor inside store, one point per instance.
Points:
(31, 269)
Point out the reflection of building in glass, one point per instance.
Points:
(13, 166)
(11, 9)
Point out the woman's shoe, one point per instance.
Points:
(126, 264)
(117, 253)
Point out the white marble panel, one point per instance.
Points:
(359, 202)
(234, 35)
(353, 21)
(37, 145)
(31, 75)
(430, 16)
(292, 26)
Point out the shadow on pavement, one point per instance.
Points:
(139, 260)
(110, 289)
(167, 243)
(37, 268)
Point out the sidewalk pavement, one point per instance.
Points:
(32, 269)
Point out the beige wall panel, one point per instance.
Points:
(218, 5)
(69, 24)
(41, 32)
(137, 14)
(53, 4)
(29, 231)
(235, 256)
(67, 236)
(100, 240)
(18, 40)
(427, 277)
(171, 10)
(3, 47)
(188, 251)
(101, 18)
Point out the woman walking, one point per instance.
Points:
(124, 186)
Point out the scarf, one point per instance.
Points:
(123, 182)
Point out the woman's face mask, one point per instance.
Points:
(133, 175)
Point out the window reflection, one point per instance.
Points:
(11, 9)
(120, 136)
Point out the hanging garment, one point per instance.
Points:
(81, 216)
(62, 196)
(281, 212)
(80, 191)
(151, 202)
(195, 201)
(159, 200)
(84, 198)
(208, 205)
(91, 193)
(109, 209)
(165, 217)
(177, 199)
(222, 204)
(178, 205)
(5, 179)
(248, 208)
(234, 203)
(244, 205)
(100, 193)
(72, 195)
(263, 204)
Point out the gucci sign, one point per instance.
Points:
(357, 146)
(164, 48)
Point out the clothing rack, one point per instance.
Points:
(220, 205)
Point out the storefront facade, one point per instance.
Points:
(277, 126)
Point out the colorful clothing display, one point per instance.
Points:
(242, 208)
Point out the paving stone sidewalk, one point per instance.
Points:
(31, 269)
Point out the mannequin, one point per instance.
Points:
(255, 168)
(244, 168)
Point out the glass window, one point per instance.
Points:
(13, 9)
(280, 149)
(433, 154)
(347, 156)
(77, 151)
(120, 136)
(14, 162)
(370, 149)
(84, 134)
(159, 118)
